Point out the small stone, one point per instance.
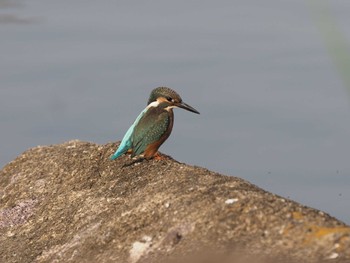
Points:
(334, 255)
(10, 234)
(139, 249)
(231, 201)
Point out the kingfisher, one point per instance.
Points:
(153, 125)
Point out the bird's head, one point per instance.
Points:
(169, 99)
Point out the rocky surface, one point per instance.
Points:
(70, 203)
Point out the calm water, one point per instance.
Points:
(274, 107)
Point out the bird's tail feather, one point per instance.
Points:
(116, 155)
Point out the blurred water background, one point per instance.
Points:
(270, 79)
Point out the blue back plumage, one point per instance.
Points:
(126, 143)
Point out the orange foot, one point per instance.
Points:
(158, 156)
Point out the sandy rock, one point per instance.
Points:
(70, 203)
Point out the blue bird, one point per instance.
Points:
(153, 126)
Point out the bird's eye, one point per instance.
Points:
(170, 99)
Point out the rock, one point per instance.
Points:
(70, 203)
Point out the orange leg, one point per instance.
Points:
(151, 150)
(158, 156)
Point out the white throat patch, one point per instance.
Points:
(170, 107)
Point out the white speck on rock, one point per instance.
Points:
(281, 231)
(140, 248)
(231, 201)
(10, 234)
(71, 146)
(333, 255)
(166, 205)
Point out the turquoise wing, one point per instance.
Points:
(150, 129)
(126, 143)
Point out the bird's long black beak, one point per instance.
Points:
(185, 106)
